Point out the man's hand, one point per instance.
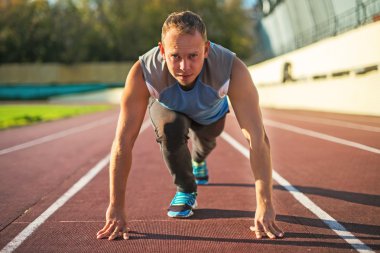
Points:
(116, 224)
(265, 224)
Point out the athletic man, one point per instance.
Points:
(185, 82)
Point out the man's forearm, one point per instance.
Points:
(262, 169)
(120, 165)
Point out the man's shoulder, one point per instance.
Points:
(219, 58)
(151, 56)
(218, 66)
(218, 51)
(155, 71)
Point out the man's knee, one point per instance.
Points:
(174, 134)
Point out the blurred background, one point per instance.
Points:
(303, 54)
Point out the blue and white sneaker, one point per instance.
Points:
(182, 205)
(200, 172)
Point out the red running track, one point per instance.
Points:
(326, 178)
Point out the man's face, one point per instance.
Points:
(184, 55)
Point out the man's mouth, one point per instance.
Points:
(184, 78)
(184, 75)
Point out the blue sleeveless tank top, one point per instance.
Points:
(206, 102)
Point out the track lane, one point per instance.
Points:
(220, 224)
(360, 136)
(331, 122)
(320, 135)
(306, 232)
(78, 186)
(27, 176)
(355, 119)
(343, 181)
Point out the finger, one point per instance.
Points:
(125, 233)
(278, 232)
(107, 232)
(104, 228)
(268, 232)
(254, 229)
(258, 232)
(115, 233)
(101, 235)
(113, 236)
(259, 229)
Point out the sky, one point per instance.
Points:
(249, 3)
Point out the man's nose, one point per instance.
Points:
(184, 64)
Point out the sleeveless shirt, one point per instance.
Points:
(206, 102)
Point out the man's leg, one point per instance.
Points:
(203, 138)
(204, 141)
(172, 131)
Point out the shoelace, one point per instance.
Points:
(182, 198)
(200, 169)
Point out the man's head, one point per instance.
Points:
(184, 45)
(186, 22)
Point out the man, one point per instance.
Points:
(186, 81)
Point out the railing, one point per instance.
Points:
(363, 13)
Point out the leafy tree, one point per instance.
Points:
(72, 31)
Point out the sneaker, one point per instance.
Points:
(182, 205)
(200, 172)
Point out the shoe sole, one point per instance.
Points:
(184, 216)
(201, 182)
(181, 216)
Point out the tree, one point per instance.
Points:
(72, 31)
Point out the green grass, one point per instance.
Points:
(21, 115)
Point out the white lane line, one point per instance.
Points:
(21, 237)
(57, 135)
(334, 225)
(82, 182)
(318, 135)
(332, 122)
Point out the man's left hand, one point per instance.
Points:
(265, 224)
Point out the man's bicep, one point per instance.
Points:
(133, 104)
(242, 92)
(135, 90)
(245, 100)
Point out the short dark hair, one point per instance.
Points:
(186, 22)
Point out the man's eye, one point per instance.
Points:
(193, 56)
(175, 56)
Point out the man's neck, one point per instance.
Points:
(187, 87)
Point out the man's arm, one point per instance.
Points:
(245, 102)
(132, 111)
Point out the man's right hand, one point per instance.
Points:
(116, 224)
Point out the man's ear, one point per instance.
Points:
(207, 48)
(162, 50)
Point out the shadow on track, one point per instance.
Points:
(353, 197)
(316, 240)
(205, 214)
(352, 227)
